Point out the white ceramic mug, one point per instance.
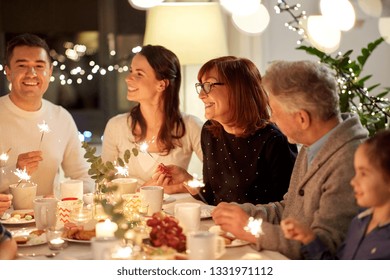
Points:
(125, 185)
(45, 212)
(152, 197)
(204, 245)
(23, 195)
(72, 188)
(188, 214)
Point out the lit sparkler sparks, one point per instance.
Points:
(121, 170)
(254, 226)
(195, 182)
(4, 157)
(22, 175)
(144, 146)
(44, 128)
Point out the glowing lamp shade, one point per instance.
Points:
(238, 8)
(144, 4)
(371, 7)
(193, 31)
(254, 23)
(384, 28)
(340, 13)
(323, 35)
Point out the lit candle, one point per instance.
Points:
(57, 243)
(106, 229)
(122, 253)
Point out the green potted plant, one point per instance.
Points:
(373, 110)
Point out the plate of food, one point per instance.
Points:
(77, 234)
(29, 237)
(18, 217)
(230, 239)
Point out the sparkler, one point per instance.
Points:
(121, 170)
(22, 175)
(4, 158)
(196, 183)
(254, 226)
(144, 146)
(44, 128)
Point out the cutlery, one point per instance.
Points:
(47, 255)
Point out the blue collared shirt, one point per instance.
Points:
(313, 149)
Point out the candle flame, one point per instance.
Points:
(254, 226)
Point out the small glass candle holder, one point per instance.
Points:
(55, 240)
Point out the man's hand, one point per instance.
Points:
(231, 218)
(295, 230)
(30, 161)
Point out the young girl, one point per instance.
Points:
(369, 232)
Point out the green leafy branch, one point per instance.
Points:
(103, 173)
(374, 111)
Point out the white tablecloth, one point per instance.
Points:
(82, 251)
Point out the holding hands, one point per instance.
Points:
(231, 218)
(30, 161)
(295, 230)
(171, 177)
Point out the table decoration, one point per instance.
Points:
(55, 239)
(106, 229)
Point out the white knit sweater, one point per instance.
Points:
(60, 147)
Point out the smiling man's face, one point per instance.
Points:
(29, 73)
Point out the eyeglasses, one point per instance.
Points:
(206, 87)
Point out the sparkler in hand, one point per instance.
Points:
(44, 128)
(254, 226)
(22, 175)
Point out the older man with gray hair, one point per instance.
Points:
(304, 101)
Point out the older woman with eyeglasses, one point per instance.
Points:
(245, 157)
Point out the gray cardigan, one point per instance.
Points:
(320, 196)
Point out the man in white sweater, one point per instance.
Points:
(28, 69)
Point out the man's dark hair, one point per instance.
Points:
(26, 39)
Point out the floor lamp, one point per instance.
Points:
(195, 32)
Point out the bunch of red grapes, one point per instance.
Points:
(166, 231)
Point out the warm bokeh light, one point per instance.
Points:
(237, 7)
(323, 35)
(340, 13)
(144, 4)
(371, 7)
(384, 28)
(254, 23)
